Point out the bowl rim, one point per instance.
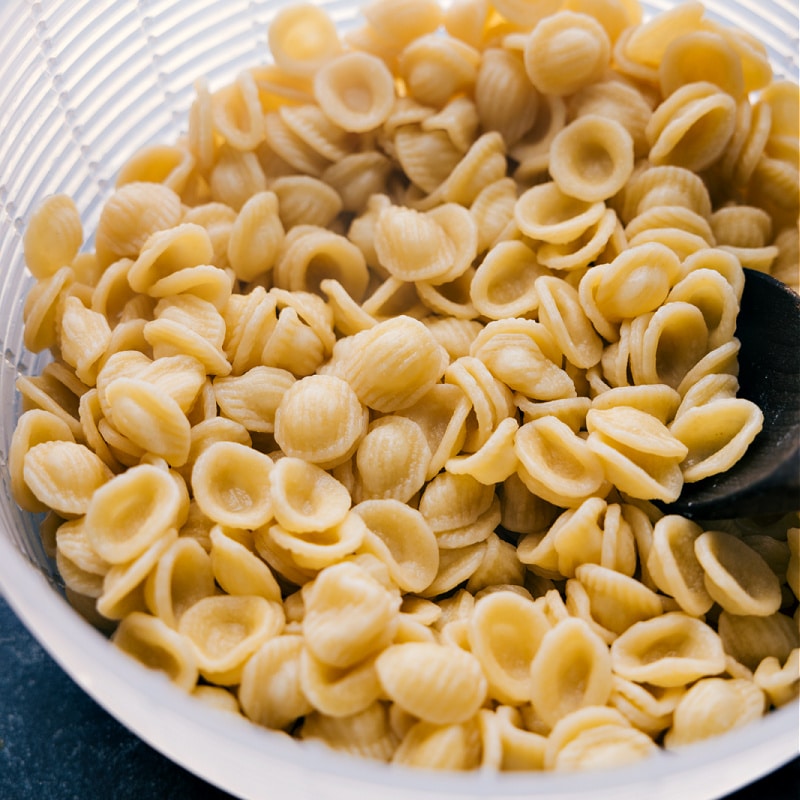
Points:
(237, 755)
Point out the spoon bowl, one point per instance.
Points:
(766, 480)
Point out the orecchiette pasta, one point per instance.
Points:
(369, 395)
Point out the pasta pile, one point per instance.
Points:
(360, 400)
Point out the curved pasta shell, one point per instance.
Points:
(450, 501)
(736, 576)
(442, 685)
(750, 639)
(338, 692)
(238, 571)
(131, 215)
(616, 600)
(505, 631)
(545, 213)
(393, 364)
(305, 200)
(40, 310)
(392, 459)
(305, 498)
(669, 650)
(63, 475)
(571, 670)
(674, 567)
(566, 51)
(225, 630)
(320, 419)
(302, 38)
(53, 236)
(252, 399)
(455, 567)
(349, 615)
(270, 692)
(356, 91)
(402, 538)
(131, 511)
(714, 706)
(445, 747)
(555, 463)
(494, 461)
(609, 745)
(717, 435)
(153, 643)
(256, 237)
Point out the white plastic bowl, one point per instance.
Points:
(83, 84)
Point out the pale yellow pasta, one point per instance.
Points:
(40, 311)
(692, 127)
(366, 733)
(181, 577)
(291, 150)
(339, 692)
(131, 215)
(736, 576)
(505, 632)
(779, 683)
(72, 544)
(305, 200)
(673, 649)
(561, 313)
(590, 246)
(252, 399)
(123, 584)
(34, 426)
(455, 566)
(427, 157)
(438, 684)
(637, 452)
(355, 90)
(591, 158)
(571, 669)
(270, 693)
(494, 461)
(455, 334)
(63, 475)
(357, 177)
(717, 435)
(402, 538)
(575, 723)
(237, 113)
(750, 639)
(155, 645)
(442, 414)
(225, 630)
(714, 706)
(605, 746)
(256, 237)
(392, 459)
(348, 615)
(504, 282)
(499, 566)
(53, 236)
(649, 41)
(237, 570)
(674, 567)
(557, 464)
(173, 165)
(131, 511)
(450, 299)
(577, 535)
(545, 213)
(653, 186)
(647, 708)
(302, 38)
(525, 356)
(304, 497)
(616, 601)
(231, 484)
(321, 420)
(505, 99)
(391, 365)
(427, 745)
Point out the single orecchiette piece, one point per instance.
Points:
(505, 632)
(320, 419)
(571, 669)
(736, 576)
(153, 643)
(713, 706)
(225, 630)
(439, 684)
(673, 649)
(231, 485)
(302, 38)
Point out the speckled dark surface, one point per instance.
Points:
(56, 743)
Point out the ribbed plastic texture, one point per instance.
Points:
(83, 85)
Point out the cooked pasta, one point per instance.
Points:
(361, 391)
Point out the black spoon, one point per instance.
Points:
(767, 478)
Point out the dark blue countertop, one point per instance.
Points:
(56, 743)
